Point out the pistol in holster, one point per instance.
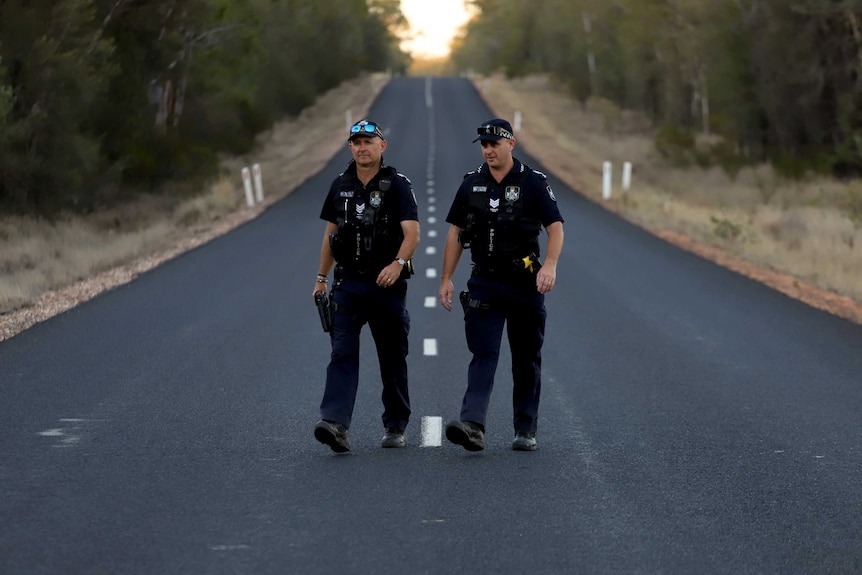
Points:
(468, 303)
(407, 271)
(325, 307)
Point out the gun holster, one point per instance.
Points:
(325, 307)
(468, 303)
(407, 271)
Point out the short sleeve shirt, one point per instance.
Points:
(539, 200)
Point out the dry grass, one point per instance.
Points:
(793, 236)
(40, 258)
(801, 229)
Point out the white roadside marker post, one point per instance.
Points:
(246, 180)
(627, 176)
(606, 186)
(258, 183)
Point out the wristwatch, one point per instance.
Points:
(401, 261)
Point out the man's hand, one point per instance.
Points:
(389, 274)
(325, 307)
(318, 287)
(546, 278)
(447, 288)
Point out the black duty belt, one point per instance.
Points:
(514, 269)
(344, 273)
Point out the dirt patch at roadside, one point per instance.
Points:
(286, 161)
(292, 166)
(541, 140)
(833, 303)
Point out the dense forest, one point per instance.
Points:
(102, 97)
(725, 81)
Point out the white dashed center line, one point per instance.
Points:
(432, 431)
(429, 346)
(430, 301)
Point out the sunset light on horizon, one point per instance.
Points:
(433, 25)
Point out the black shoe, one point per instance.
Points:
(524, 441)
(393, 437)
(466, 434)
(332, 434)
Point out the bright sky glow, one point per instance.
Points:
(433, 24)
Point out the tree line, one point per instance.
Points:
(99, 97)
(764, 80)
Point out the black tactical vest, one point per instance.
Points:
(368, 235)
(499, 232)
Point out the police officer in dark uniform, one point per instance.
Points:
(498, 213)
(371, 233)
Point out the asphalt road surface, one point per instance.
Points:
(692, 421)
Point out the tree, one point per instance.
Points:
(57, 67)
(105, 95)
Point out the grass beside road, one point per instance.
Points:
(791, 235)
(794, 235)
(37, 256)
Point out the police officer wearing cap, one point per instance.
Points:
(498, 214)
(371, 233)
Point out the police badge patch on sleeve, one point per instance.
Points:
(551, 193)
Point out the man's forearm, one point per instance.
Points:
(326, 259)
(451, 253)
(410, 241)
(555, 243)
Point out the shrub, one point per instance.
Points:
(725, 229)
(852, 208)
(675, 144)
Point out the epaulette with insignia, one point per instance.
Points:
(470, 173)
(403, 177)
(540, 174)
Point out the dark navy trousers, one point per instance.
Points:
(521, 308)
(385, 311)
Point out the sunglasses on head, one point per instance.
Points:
(367, 128)
(494, 131)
